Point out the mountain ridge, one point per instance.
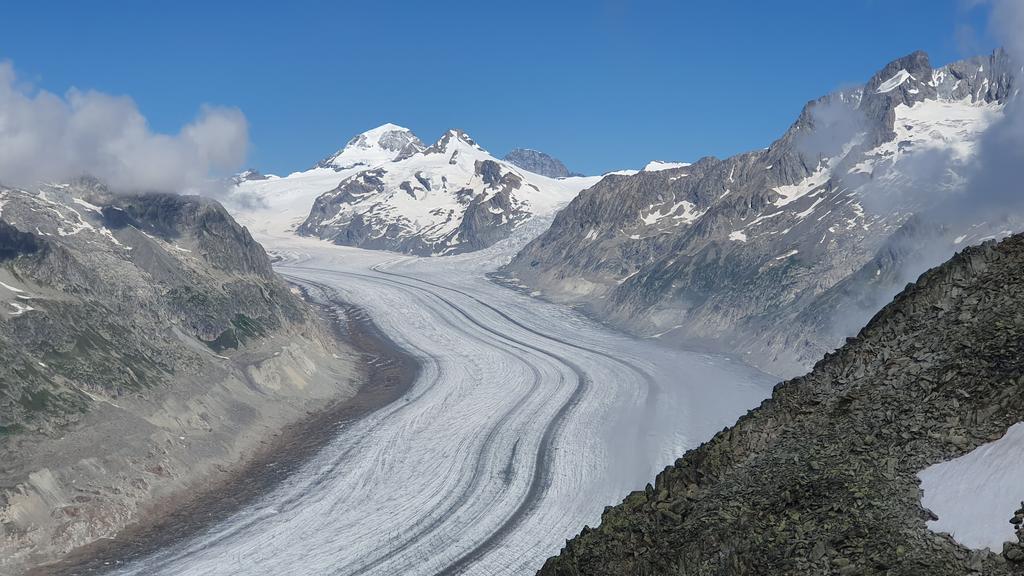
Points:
(727, 254)
(146, 346)
(538, 162)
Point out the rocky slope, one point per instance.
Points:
(822, 478)
(449, 198)
(537, 162)
(759, 254)
(145, 344)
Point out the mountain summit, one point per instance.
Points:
(381, 144)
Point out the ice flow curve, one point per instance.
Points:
(526, 419)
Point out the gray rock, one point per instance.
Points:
(537, 162)
(251, 174)
(463, 213)
(108, 284)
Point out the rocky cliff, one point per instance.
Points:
(755, 254)
(822, 478)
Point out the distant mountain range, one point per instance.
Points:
(387, 190)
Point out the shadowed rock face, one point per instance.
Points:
(754, 254)
(14, 242)
(223, 242)
(822, 477)
(537, 162)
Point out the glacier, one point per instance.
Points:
(525, 419)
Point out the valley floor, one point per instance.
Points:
(524, 421)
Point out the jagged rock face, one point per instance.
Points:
(537, 162)
(752, 254)
(109, 294)
(450, 198)
(822, 477)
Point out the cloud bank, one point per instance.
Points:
(45, 137)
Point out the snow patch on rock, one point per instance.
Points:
(975, 495)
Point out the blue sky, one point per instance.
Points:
(601, 85)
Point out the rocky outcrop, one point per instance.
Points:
(1014, 551)
(537, 162)
(822, 477)
(146, 346)
(753, 254)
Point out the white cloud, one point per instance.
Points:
(46, 137)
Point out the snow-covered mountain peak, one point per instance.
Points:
(452, 140)
(384, 143)
(453, 197)
(386, 136)
(914, 67)
(823, 213)
(248, 175)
